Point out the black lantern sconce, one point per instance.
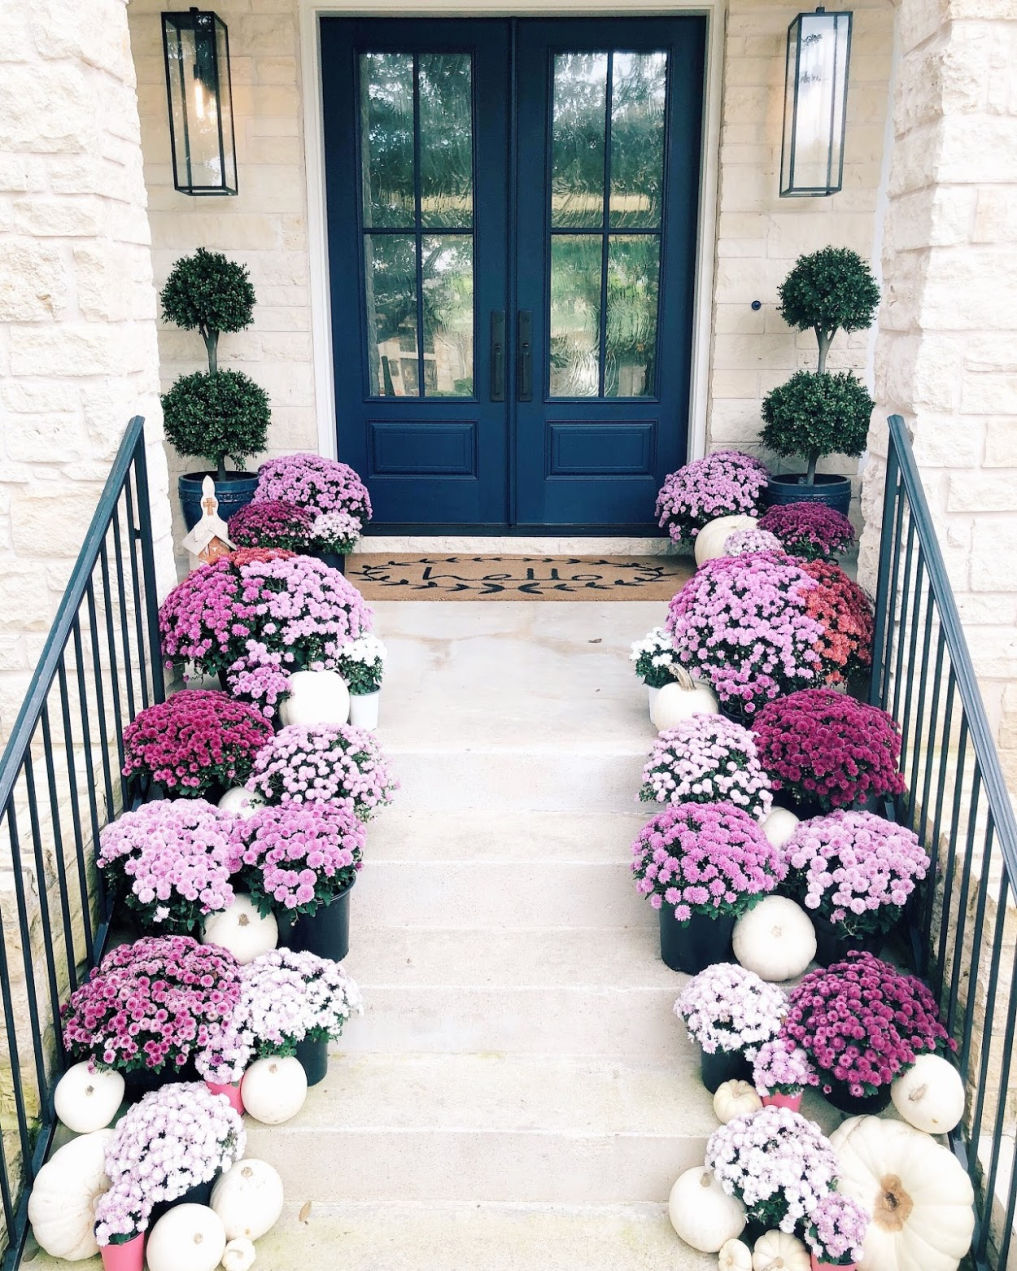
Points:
(815, 104)
(197, 53)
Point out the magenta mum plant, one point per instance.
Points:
(707, 759)
(194, 741)
(704, 858)
(725, 483)
(727, 1008)
(782, 1068)
(862, 1023)
(151, 1004)
(298, 856)
(855, 869)
(821, 746)
(322, 762)
(812, 531)
(326, 488)
(741, 623)
(835, 1230)
(273, 523)
(170, 861)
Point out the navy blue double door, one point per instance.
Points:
(512, 208)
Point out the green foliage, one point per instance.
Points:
(816, 414)
(215, 415)
(830, 290)
(208, 293)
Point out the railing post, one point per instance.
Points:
(885, 600)
(148, 567)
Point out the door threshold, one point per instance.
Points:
(511, 545)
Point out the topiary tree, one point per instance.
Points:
(209, 294)
(217, 414)
(830, 290)
(817, 413)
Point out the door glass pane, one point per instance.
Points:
(578, 140)
(446, 140)
(390, 271)
(575, 315)
(639, 89)
(386, 114)
(633, 270)
(447, 272)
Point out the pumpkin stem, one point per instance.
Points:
(918, 1094)
(706, 1179)
(682, 676)
(243, 921)
(893, 1205)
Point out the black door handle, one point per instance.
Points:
(497, 355)
(524, 362)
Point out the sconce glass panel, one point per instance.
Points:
(815, 104)
(200, 95)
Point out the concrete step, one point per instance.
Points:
(490, 1127)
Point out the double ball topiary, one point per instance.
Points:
(816, 414)
(217, 414)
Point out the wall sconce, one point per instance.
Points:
(815, 104)
(197, 54)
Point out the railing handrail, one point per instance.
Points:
(901, 459)
(60, 632)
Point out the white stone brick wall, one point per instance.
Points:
(78, 352)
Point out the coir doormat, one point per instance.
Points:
(383, 577)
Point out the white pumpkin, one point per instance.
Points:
(780, 826)
(61, 1207)
(240, 802)
(274, 1089)
(242, 930)
(734, 1256)
(930, 1095)
(239, 1255)
(249, 1199)
(917, 1194)
(775, 938)
(316, 697)
(186, 1238)
(701, 1211)
(680, 699)
(711, 538)
(87, 1099)
(777, 1251)
(735, 1099)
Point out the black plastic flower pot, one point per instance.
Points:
(233, 494)
(326, 932)
(335, 560)
(833, 943)
(791, 487)
(721, 1066)
(313, 1056)
(843, 1100)
(694, 945)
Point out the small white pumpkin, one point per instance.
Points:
(239, 1255)
(61, 1207)
(711, 538)
(735, 1099)
(701, 1211)
(274, 1089)
(316, 697)
(249, 1199)
(780, 826)
(683, 697)
(777, 1251)
(775, 938)
(240, 802)
(187, 1238)
(930, 1095)
(241, 930)
(917, 1194)
(87, 1099)
(734, 1256)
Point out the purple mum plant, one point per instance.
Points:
(725, 483)
(707, 759)
(727, 1008)
(745, 542)
(323, 762)
(812, 531)
(835, 1230)
(332, 493)
(273, 523)
(782, 1068)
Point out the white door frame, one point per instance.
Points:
(310, 63)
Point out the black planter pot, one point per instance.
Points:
(832, 490)
(694, 945)
(804, 809)
(143, 1081)
(843, 1100)
(233, 494)
(199, 1194)
(721, 1066)
(326, 932)
(833, 943)
(335, 560)
(313, 1056)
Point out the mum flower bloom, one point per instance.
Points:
(725, 483)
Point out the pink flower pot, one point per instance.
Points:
(792, 1101)
(125, 1257)
(831, 1266)
(231, 1091)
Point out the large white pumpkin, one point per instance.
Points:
(930, 1095)
(274, 1089)
(680, 699)
(917, 1194)
(316, 697)
(249, 1199)
(187, 1238)
(711, 538)
(61, 1207)
(242, 930)
(777, 1251)
(86, 1100)
(701, 1211)
(779, 827)
(775, 938)
(240, 802)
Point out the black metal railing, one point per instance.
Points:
(60, 782)
(964, 929)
